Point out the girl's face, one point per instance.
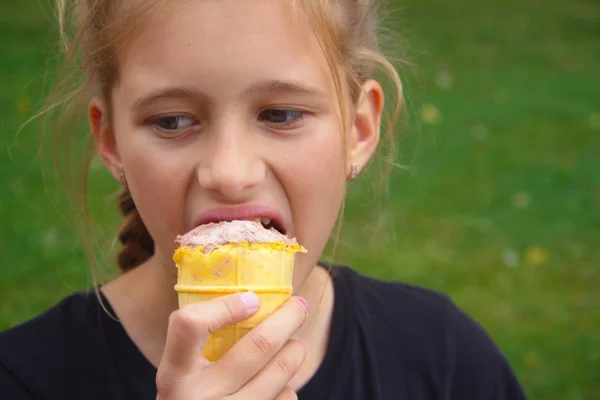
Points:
(227, 110)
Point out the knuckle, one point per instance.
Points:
(286, 364)
(262, 345)
(184, 321)
(225, 316)
(230, 308)
(289, 360)
(228, 312)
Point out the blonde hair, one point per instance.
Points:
(92, 36)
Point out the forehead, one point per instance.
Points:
(223, 46)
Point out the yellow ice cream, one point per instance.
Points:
(209, 267)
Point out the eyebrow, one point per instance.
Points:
(279, 86)
(169, 93)
(268, 86)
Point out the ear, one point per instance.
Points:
(366, 127)
(104, 137)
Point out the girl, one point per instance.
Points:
(240, 110)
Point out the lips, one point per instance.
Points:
(267, 216)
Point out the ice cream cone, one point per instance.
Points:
(231, 257)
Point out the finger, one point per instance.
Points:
(255, 349)
(190, 327)
(272, 380)
(287, 394)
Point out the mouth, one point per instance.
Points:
(268, 217)
(269, 223)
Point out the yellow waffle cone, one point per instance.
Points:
(264, 268)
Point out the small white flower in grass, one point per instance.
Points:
(444, 79)
(511, 258)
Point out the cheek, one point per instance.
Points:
(316, 188)
(157, 181)
(320, 174)
(315, 199)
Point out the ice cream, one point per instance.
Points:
(229, 257)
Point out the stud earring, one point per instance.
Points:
(353, 172)
(124, 180)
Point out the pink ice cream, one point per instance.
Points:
(215, 234)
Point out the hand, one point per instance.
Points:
(258, 367)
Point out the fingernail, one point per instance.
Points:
(302, 301)
(250, 300)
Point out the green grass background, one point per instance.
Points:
(499, 205)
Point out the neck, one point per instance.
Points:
(144, 298)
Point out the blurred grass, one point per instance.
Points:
(500, 207)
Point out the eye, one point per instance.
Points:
(173, 125)
(280, 118)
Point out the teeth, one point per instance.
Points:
(265, 221)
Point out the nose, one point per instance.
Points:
(232, 165)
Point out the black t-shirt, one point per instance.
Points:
(388, 341)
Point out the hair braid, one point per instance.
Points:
(137, 244)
